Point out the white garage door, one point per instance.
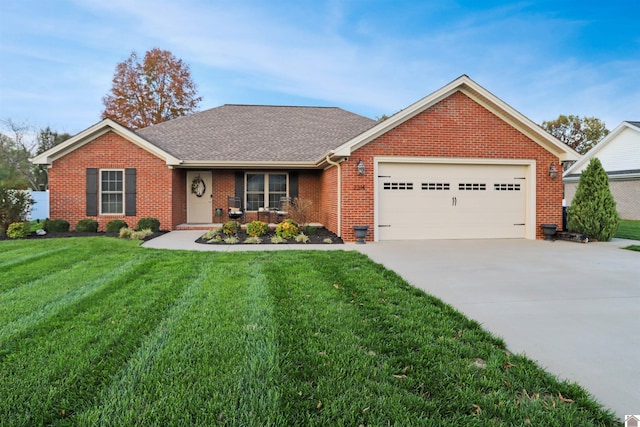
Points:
(451, 201)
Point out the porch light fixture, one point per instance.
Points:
(553, 171)
(360, 167)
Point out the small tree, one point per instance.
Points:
(15, 205)
(593, 209)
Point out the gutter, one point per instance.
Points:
(331, 162)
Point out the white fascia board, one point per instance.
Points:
(247, 164)
(599, 146)
(478, 94)
(96, 131)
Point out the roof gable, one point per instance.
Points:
(618, 152)
(480, 95)
(90, 134)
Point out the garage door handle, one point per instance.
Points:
(454, 201)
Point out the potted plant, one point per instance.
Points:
(360, 232)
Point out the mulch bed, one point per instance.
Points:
(315, 238)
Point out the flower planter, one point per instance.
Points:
(549, 230)
(360, 232)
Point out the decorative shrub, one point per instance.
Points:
(300, 210)
(593, 209)
(229, 228)
(212, 233)
(141, 234)
(253, 239)
(56, 225)
(87, 226)
(125, 233)
(257, 228)
(232, 240)
(115, 225)
(18, 230)
(151, 223)
(287, 229)
(310, 230)
(327, 240)
(276, 240)
(302, 238)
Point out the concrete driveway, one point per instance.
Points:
(573, 307)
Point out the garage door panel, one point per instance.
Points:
(447, 201)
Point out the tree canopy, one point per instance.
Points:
(581, 134)
(17, 147)
(152, 91)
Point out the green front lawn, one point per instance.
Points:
(98, 331)
(628, 229)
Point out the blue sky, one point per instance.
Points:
(544, 58)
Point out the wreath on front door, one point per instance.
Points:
(197, 186)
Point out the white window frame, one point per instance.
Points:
(266, 186)
(100, 192)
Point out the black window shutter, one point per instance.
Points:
(130, 192)
(239, 187)
(293, 185)
(92, 192)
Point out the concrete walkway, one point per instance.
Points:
(573, 307)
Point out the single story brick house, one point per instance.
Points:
(619, 153)
(459, 163)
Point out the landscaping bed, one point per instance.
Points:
(316, 236)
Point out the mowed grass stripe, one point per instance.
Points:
(31, 304)
(13, 255)
(198, 374)
(70, 253)
(63, 362)
(129, 398)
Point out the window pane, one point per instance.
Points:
(255, 183)
(111, 203)
(255, 201)
(278, 182)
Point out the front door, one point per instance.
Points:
(199, 197)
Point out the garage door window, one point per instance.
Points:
(506, 187)
(472, 187)
(398, 185)
(435, 186)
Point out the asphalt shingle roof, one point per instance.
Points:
(257, 133)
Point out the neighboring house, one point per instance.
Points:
(459, 163)
(619, 153)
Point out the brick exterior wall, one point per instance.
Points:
(155, 181)
(455, 127)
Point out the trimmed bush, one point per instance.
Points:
(115, 225)
(229, 228)
(593, 209)
(87, 226)
(257, 228)
(56, 226)
(287, 229)
(18, 230)
(151, 223)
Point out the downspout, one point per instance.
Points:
(331, 162)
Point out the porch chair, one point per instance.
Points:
(283, 209)
(234, 208)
